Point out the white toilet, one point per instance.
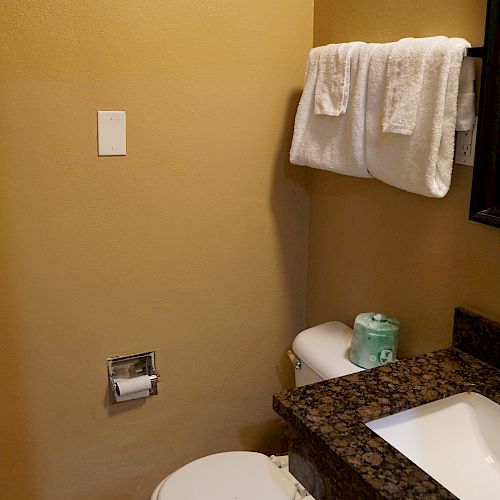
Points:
(319, 353)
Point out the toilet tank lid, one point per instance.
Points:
(325, 348)
(225, 476)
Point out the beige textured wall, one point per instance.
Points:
(194, 244)
(373, 247)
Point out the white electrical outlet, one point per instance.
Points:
(465, 146)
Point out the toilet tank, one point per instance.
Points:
(322, 353)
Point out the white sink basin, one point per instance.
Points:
(455, 440)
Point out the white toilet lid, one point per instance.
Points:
(235, 475)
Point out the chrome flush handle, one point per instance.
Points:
(294, 359)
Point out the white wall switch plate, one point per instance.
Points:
(465, 146)
(111, 133)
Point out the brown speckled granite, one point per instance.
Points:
(337, 457)
(477, 336)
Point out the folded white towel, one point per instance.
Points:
(335, 143)
(421, 162)
(466, 106)
(405, 73)
(331, 93)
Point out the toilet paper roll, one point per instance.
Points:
(132, 388)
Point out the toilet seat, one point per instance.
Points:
(240, 475)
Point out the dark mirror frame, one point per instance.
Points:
(485, 196)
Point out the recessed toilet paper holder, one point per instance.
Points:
(129, 367)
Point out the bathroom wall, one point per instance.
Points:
(194, 244)
(373, 247)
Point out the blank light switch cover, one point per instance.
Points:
(111, 133)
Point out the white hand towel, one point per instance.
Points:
(466, 106)
(405, 73)
(421, 162)
(331, 93)
(334, 143)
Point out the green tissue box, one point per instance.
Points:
(374, 340)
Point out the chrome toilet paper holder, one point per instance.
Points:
(131, 366)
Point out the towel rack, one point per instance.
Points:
(475, 52)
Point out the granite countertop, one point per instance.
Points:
(330, 416)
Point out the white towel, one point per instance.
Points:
(466, 106)
(334, 143)
(421, 162)
(331, 92)
(405, 73)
